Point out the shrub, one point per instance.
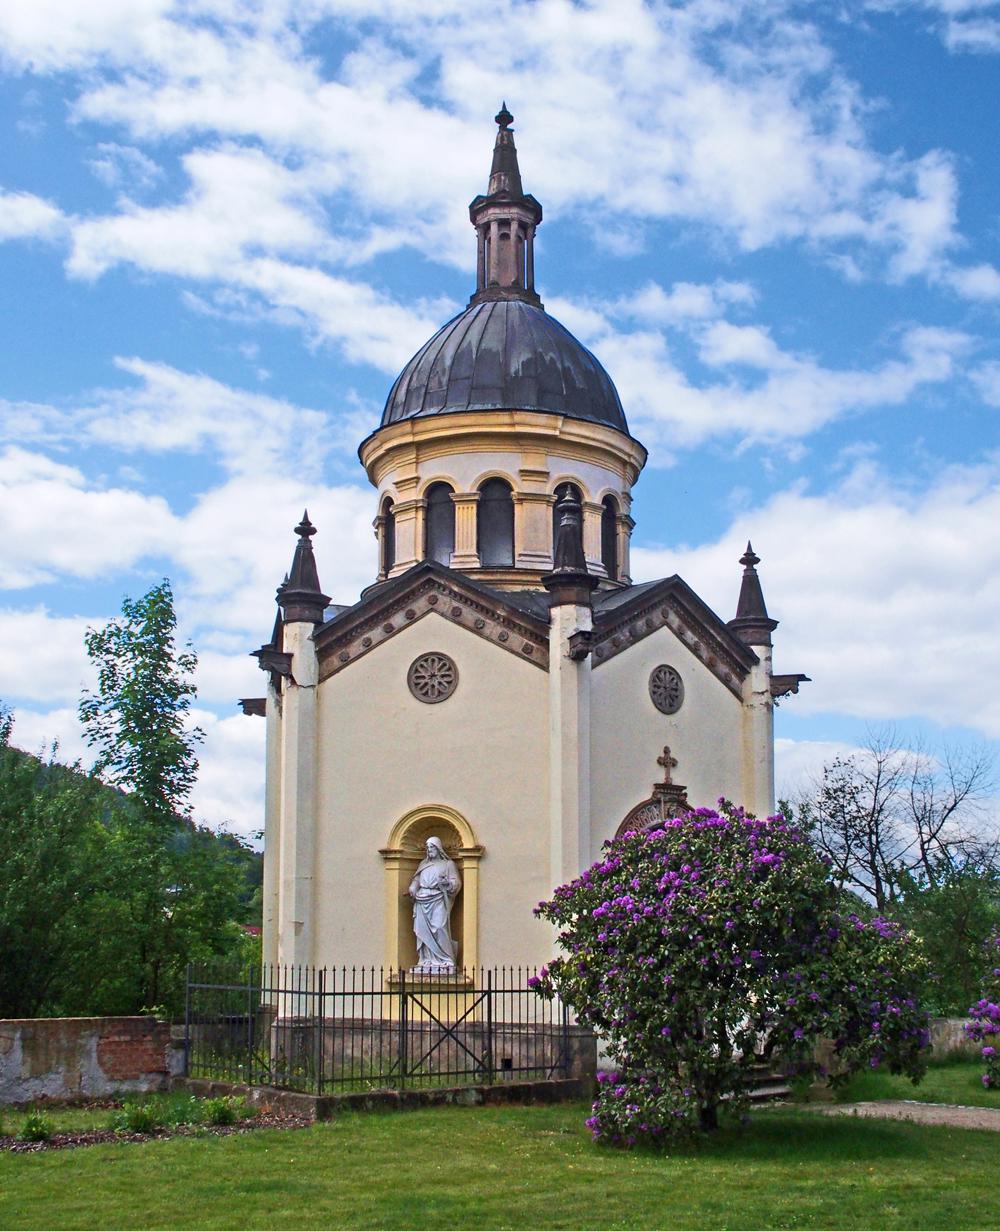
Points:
(137, 1117)
(984, 1027)
(714, 942)
(36, 1127)
(180, 1109)
(226, 1110)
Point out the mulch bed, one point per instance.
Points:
(102, 1136)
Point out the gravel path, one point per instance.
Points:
(921, 1113)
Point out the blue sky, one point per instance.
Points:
(225, 225)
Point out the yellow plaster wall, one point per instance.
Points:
(628, 733)
(482, 752)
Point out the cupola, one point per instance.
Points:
(496, 416)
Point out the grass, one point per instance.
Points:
(505, 1167)
(139, 1113)
(957, 1081)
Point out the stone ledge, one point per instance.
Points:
(325, 1106)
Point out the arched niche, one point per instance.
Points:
(609, 536)
(495, 524)
(401, 855)
(439, 524)
(387, 537)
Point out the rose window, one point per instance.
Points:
(432, 678)
(666, 689)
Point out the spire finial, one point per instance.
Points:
(749, 559)
(503, 117)
(300, 597)
(752, 624)
(570, 581)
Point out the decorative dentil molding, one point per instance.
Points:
(337, 649)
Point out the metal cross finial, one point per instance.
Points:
(668, 762)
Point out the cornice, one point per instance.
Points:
(668, 607)
(383, 616)
(483, 431)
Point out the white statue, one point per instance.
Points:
(433, 889)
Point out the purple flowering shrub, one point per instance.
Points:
(984, 1027)
(710, 945)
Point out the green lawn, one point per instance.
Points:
(178, 1107)
(954, 1082)
(534, 1167)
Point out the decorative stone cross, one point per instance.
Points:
(668, 762)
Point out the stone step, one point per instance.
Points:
(768, 1094)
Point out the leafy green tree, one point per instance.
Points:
(909, 834)
(50, 867)
(182, 898)
(952, 914)
(107, 888)
(137, 718)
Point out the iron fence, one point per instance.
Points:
(364, 1028)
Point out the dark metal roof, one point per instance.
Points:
(505, 355)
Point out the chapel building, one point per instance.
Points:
(502, 684)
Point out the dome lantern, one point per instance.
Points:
(505, 220)
(502, 408)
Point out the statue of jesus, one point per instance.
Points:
(433, 889)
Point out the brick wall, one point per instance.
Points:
(83, 1057)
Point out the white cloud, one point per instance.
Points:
(986, 379)
(233, 544)
(36, 730)
(52, 522)
(25, 216)
(974, 281)
(963, 25)
(887, 594)
(798, 763)
(755, 390)
(124, 166)
(230, 788)
(229, 791)
(715, 112)
(42, 655)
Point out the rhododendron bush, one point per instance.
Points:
(985, 1013)
(706, 946)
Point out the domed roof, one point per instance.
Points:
(505, 354)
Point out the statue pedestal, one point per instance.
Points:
(446, 997)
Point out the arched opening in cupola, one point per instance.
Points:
(387, 538)
(439, 524)
(495, 524)
(609, 536)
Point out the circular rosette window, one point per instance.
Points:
(666, 689)
(432, 678)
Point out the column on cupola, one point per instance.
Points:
(754, 627)
(592, 537)
(302, 605)
(625, 527)
(533, 512)
(408, 511)
(570, 588)
(466, 551)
